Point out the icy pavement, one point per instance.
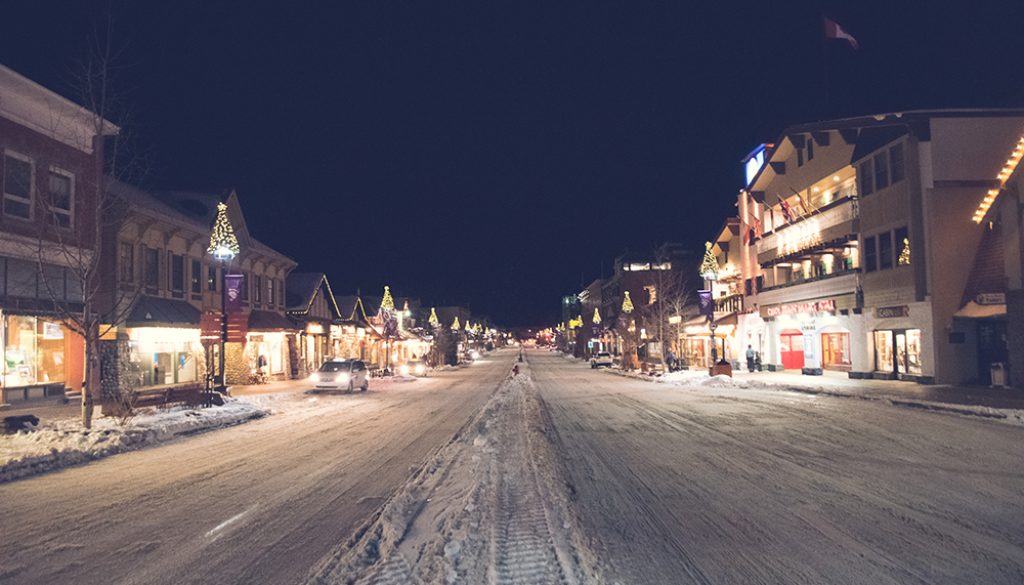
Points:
(727, 485)
(490, 507)
(63, 442)
(261, 502)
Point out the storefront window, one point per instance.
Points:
(34, 351)
(898, 351)
(157, 362)
(835, 350)
(267, 352)
(883, 351)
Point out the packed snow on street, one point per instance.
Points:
(63, 442)
(572, 476)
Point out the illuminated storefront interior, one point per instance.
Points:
(163, 355)
(38, 350)
(898, 351)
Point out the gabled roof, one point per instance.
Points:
(302, 289)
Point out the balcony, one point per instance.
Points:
(834, 223)
(832, 285)
(729, 304)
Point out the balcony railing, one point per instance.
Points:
(818, 278)
(828, 224)
(729, 304)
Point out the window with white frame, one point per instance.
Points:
(62, 197)
(17, 185)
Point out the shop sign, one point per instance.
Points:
(796, 308)
(991, 299)
(892, 312)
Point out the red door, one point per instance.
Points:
(791, 343)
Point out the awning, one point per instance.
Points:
(265, 321)
(157, 312)
(973, 310)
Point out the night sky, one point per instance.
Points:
(495, 154)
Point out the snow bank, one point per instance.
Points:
(490, 506)
(62, 443)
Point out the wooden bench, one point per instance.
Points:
(190, 394)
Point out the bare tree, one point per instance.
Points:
(669, 296)
(85, 294)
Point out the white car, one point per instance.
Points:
(601, 359)
(341, 375)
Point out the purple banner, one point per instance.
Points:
(707, 304)
(233, 292)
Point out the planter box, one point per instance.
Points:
(720, 370)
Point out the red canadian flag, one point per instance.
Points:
(834, 31)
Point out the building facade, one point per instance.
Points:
(51, 157)
(859, 258)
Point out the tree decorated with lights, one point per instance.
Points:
(455, 324)
(469, 327)
(433, 320)
(387, 303)
(223, 243)
(597, 317)
(904, 259)
(627, 304)
(709, 266)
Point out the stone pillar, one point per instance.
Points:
(115, 374)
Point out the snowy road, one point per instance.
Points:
(258, 503)
(734, 486)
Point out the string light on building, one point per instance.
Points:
(627, 304)
(904, 259)
(1004, 174)
(223, 243)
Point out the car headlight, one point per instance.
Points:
(314, 378)
(343, 377)
(403, 369)
(420, 369)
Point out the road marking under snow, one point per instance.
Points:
(216, 529)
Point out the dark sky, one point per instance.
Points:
(493, 153)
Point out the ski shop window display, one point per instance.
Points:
(33, 351)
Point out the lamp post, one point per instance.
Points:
(223, 247)
(709, 272)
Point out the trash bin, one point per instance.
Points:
(998, 375)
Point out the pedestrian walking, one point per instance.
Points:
(751, 354)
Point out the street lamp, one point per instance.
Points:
(223, 247)
(709, 272)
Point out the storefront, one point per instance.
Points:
(695, 346)
(159, 356)
(809, 337)
(898, 351)
(899, 338)
(42, 357)
(269, 351)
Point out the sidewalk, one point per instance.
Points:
(840, 383)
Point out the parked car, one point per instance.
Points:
(342, 375)
(601, 359)
(416, 368)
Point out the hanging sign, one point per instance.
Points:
(233, 292)
(991, 299)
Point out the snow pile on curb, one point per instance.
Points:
(491, 506)
(62, 443)
(697, 378)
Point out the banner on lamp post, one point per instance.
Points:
(233, 292)
(707, 304)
